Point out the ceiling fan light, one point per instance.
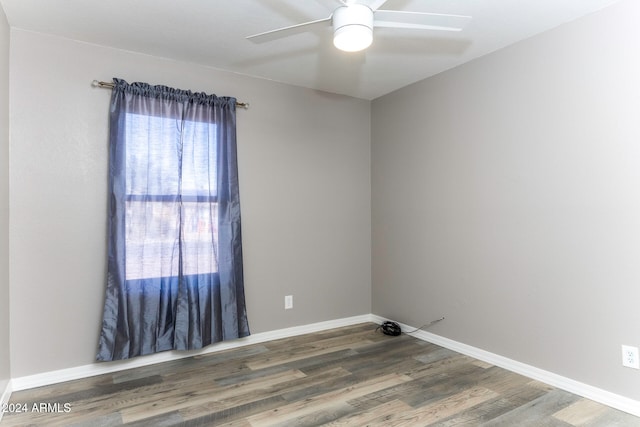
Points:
(352, 38)
(352, 27)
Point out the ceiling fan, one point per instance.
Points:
(353, 22)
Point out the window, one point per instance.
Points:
(171, 198)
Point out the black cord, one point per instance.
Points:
(390, 328)
(425, 325)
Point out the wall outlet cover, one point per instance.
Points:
(630, 357)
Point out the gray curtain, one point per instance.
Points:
(174, 279)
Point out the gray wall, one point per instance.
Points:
(506, 197)
(4, 202)
(304, 159)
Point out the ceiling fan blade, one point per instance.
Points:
(418, 20)
(268, 36)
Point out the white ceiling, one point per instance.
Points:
(212, 33)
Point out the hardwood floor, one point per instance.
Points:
(351, 376)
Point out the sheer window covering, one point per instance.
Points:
(175, 279)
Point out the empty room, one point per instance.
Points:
(330, 212)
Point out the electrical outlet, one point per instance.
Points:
(288, 302)
(630, 357)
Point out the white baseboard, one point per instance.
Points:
(99, 368)
(613, 400)
(5, 388)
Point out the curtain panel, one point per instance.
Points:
(174, 274)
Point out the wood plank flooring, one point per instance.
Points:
(352, 376)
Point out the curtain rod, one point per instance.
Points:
(109, 85)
